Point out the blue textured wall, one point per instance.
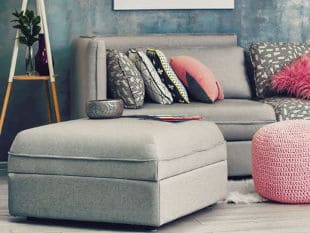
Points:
(252, 20)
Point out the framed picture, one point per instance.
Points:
(172, 4)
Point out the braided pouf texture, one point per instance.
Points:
(281, 161)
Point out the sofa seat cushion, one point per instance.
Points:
(287, 108)
(238, 119)
(122, 148)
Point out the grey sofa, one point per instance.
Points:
(238, 116)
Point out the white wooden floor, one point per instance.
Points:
(258, 218)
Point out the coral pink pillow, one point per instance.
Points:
(197, 78)
(294, 78)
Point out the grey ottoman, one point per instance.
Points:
(123, 170)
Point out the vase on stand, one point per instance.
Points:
(30, 61)
(41, 61)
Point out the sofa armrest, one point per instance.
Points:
(88, 81)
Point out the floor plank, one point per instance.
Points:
(221, 218)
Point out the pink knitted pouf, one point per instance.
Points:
(281, 161)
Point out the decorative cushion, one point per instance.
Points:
(168, 76)
(197, 78)
(155, 88)
(124, 80)
(281, 161)
(294, 78)
(268, 59)
(289, 108)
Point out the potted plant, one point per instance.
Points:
(29, 25)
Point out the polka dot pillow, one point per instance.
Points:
(168, 76)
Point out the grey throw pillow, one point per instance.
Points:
(155, 88)
(270, 58)
(124, 80)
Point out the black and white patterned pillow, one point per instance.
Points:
(168, 76)
(270, 58)
(124, 80)
(154, 87)
(287, 108)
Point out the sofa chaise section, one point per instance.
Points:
(126, 170)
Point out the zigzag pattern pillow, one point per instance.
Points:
(270, 58)
(124, 80)
(155, 88)
(168, 76)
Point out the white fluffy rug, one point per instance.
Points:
(242, 192)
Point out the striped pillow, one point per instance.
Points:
(155, 88)
(168, 76)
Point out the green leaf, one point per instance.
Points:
(32, 40)
(16, 14)
(23, 40)
(30, 15)
(36, 20)
(36, 30)
(28, 23)
(26, 31)
(17, 26)
(24, 20)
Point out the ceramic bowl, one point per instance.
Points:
(102, 109)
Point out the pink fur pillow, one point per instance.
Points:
(294, 79)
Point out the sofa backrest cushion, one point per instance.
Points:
(227, 64)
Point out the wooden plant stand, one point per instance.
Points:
(51, 78)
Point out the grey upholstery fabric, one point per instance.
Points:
(227, 64)
(116, 200)
(180, 195)
(118, 148)
(239, 158)
(89, 79)
(287, 108)
(238, 119)
(252, 116)
(168, 41)
(89, 61)
(84, 198)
